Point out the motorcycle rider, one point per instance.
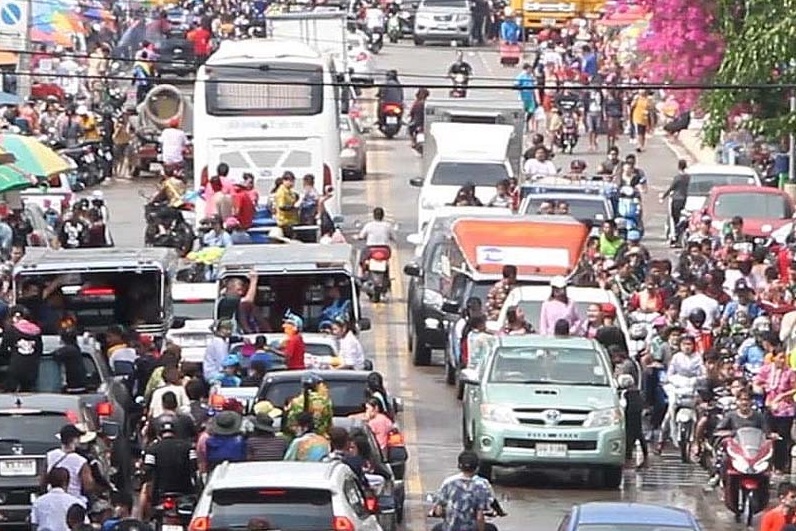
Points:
(173, 142)
(464, 498)
(376, 233)
(686, 365)
(417, 114)
(170, 196)
(390, 92)
(460, 67)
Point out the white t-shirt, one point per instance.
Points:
(172, 142)
(351, 351)
(374, 18)
(156, 404)
(377, 233)
(49, 511)
(700, 300)
(533, 168)
(67, 70)
(73, 463)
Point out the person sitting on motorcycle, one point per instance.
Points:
(464, 499)
(752, 352)
(460, 67)
(686, 366)
(376, 233)
(391, 91)
(374, 19)
(648, 299)
(745, 300)
(417, 114)
(744, 416)
(695, 327)
(170, 196)
(173, 142)
(734, 229)
(539, 166)
(510, 31)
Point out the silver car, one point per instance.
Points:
(354, 155)
(443, 21)
(290, 494)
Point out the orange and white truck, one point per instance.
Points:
(538, 14)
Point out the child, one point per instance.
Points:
(308, 206)
(228, 377)
(634, 406)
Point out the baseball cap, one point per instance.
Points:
(69, 433)
(742, 285)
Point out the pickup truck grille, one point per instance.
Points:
(530, 444)
(546, 417)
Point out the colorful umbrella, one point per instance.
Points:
(12, 179)
(32, 156)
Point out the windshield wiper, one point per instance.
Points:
(9, 440)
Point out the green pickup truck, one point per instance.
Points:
(545, 402)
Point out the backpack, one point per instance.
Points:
(222, 448)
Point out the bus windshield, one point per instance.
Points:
(94, 300)
(275, 89)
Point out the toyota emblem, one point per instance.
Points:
(552, 417)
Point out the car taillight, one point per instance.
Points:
(352, 143)
(339, 523)
(750, 483)
(327, 177)
(378, 254)
(71, 416)
(372, 504)
(362, 56)
(392, 108)
(202, 523)
(104, 409)
(169, 504)
(395, 438)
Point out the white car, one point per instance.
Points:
(360, 60)
(703, 177)
(290, 494)
(319, 349)
(444, 217)
(58, 192)
(194, 305)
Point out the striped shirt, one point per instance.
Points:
(265, 448)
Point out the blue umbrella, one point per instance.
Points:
(6, 98)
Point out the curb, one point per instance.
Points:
(681, 150)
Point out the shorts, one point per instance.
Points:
(641, 129)
(594, 122)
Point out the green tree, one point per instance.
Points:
(760, 40)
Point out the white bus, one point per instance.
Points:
(265, 107)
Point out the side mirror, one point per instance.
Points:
(415, 239)
(178, 322)
(412, 270)
(417, 182)
(368, 365)
(363, 324)
(397, 405)
(469, 376)
(449, 306)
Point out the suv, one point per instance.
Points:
(545, 402)
(443, 21)
(292, 496)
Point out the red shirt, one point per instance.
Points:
(200, 38)
(775, 520)
(294, 353)
(243, 207)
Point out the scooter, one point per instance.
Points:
(376, 272)
(747, 473)
(495, 510)
(394, 32)
(174, 511)
(569, 132)
(628, 209)
(684, 415)
(375, 41)
(390, 118)
(459, 89)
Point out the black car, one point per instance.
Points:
(391, 494)
(176, 57)
(347, 393)
(29, 426)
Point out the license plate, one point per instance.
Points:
(165, 527)
(551, 450)
(155, 167)
(548, 22)
(378, 266)
(392, 120)
(421, 138)
(89, 158)
(17, 467)
(108, 156)
(191, 341)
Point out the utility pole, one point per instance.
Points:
(24, 63)
(792, 143)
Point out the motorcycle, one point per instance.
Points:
(375, 41)
(88, 171)
(376, 272)
(459, 89)
(568, 135)
(390, 118)
(747, 470)
(180, 235)
(174, 511)
(684, 412)
(495, 510)
(394, 32)
(628, 210)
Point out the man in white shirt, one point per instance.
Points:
(539, 167)
(67, 72)
(700, 300)
(374, 18)
(173, 141)
(377, 233)
(49, 511)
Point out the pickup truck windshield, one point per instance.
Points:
(564, 366)
(94, 300)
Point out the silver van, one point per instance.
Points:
(443, 21)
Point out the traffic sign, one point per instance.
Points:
(11, 14)
(14, 24)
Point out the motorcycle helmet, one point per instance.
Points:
(697, 317)
(761, 324)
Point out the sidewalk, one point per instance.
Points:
(688, 145)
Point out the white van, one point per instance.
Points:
(462, 154)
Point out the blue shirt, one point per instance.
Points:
(462, 498)
(269, 359)
(527, 85)
(227, 380)
(589, 66)
(753, 309)
(751, 355)
(213, 239)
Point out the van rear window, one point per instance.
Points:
(93, 300)
(284, 509)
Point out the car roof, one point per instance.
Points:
(327, 375)
(746, 189)
(569, 195)
(595, 513)
(721, 169)
(286, 474)
(537, 341)
(41, 401)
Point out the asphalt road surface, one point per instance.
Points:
(432, 418)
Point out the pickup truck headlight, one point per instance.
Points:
(600, 418)
(432, 298)
(462, 18)
(497, 413)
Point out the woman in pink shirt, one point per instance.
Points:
(559, 306)
(379, 423)
(217, 187)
